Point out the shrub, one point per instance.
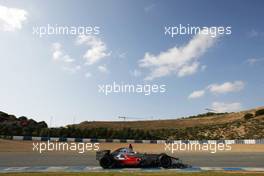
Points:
(248, 116)
(259, 112)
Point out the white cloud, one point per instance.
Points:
(226, 107)
(97, 48)
(196, 94)
(182, 61)
(253, 61)
(56, 51)
(71, 69)
(68, 63)
(135, 73)
(149, 8)
(254, 33)
(11, 19)
(219, 89)
(203, 67)
(59, 55)
(121, 55)
(88, 75)
(102, 68)
(97, 51)
(67, 58)
(188, 69)
(226, 87)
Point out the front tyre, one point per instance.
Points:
(165, 161)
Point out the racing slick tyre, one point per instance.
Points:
(165, 161)
(106, 162)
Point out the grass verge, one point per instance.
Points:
(138, 174)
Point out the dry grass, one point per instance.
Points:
(169, 123)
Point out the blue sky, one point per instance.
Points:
(36, 84)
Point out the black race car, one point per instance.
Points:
(127, 158)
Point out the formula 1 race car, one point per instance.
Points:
(127, 158)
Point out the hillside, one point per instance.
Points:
(212, 126)
(11, 125)
(205, 120)
(237, 125)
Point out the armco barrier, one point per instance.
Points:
(63, 139)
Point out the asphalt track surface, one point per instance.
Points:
(20, 154)
(79, 169)
(29, 159)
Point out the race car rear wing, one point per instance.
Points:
(102, 153)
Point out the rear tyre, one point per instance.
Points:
(165, 161)
(106, 162)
